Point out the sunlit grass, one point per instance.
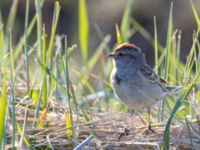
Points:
(3, 114)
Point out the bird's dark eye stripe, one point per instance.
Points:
(123, 54)
(120, 54)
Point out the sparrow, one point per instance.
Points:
(133, 81)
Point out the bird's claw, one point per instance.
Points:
(126, 132)
(149, 130)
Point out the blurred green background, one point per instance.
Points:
(105, 13)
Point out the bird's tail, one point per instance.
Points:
(178, 89)
(174, 89)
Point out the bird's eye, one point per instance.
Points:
(120, 54)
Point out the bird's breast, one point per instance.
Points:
(133, 91)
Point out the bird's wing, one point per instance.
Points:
(150, 75)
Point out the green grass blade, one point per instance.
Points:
(12, 16)
(156, 45)
(26, 45)
(173, 57)
(51, 42)
(126, 21)
(169, 39)
(53, 31)
(2, 40)
(118, 34)
(44, 88)
(166, 52)
(180, 101)
(58, 74)
(197, 18)
(38, 104)
(3, 106)
(39, 26)
(26, 141)
(190, 61)
(12, 91)
(69, 125)
(198, 59)
(22, 131)
(65, 60)
(195, 13)
(83, 29)
(178, 74)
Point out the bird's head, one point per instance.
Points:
(127, 55)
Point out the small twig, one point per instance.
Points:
(86, 141)
(24, 128)
(48, 140)
(189, 132)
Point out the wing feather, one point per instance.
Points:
(150, 75)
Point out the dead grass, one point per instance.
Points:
(105, 128)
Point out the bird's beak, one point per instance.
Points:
(111, 55)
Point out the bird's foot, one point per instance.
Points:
(149, 130)
(126, 132)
